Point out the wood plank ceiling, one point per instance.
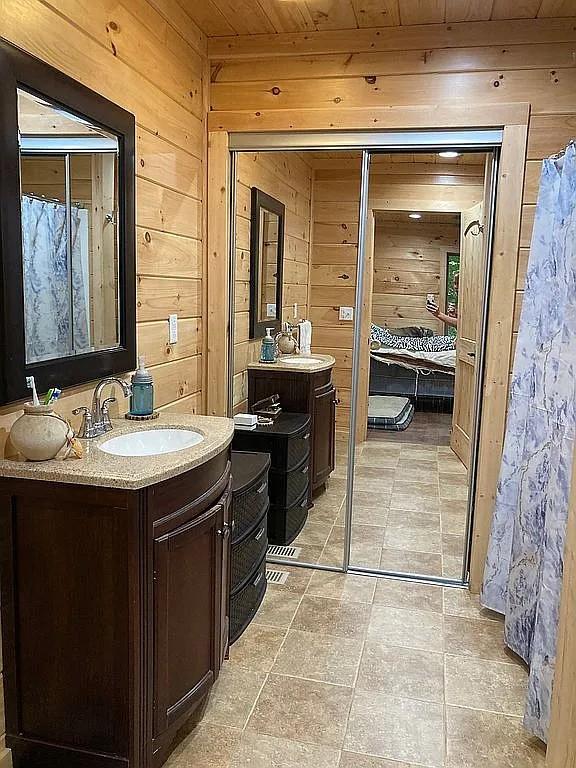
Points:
(252, 17)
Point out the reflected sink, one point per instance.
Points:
(151, 442)
(299, 360)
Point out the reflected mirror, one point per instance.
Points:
(266, 255)
(69, 209)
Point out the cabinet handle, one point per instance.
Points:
(304, 503)
(305, 470)
(262, 487)
(224, 531)
(257, 580)
(306, 436)
(260, 534)
(337, 401)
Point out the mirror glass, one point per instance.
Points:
(69, 208)
(269, 245)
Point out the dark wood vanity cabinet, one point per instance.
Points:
(303, 392)
(114, 614)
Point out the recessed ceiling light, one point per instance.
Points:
(449, 153)
(414, 215)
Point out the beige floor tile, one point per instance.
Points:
(302, 710)
(414, 503)
(403, 672)
(308, 553)
(415, 531)
(373, 515)
(453, 515)
(421, 630)
(332, 554)
(259, 751)
(278, 607)
(233, 696)
(326, 514)
(457, 492)
(332, 617)
(415, 453)
(451, 465)
(421, 471)
(380, 500)
(297, 581)
(382, 477)
(356, 760)
(461, 602)
(398, 729)
(321, 657)
(484, 740)
(420, 490)
(405, 561)
(314, 534)
(342, 586)
(207, 746)
(452, 545)
(452, 478)
(452, 567)
(257, 648)
(475, 637)
(406, 594)
(488, 685)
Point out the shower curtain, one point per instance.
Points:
(56, 318)
(523, 575)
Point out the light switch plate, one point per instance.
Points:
(173, 328)
(346, 313)
(270, 310)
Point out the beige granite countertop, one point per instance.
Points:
(129, 472)
(320, 363)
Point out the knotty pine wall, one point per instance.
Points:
(472, 64)
(410, 262)
(150, 58)
(286, 176)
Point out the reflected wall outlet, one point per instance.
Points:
(346, 313)
(270, 310)
(173, 328)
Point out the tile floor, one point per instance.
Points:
(348, 671)
(410, 501)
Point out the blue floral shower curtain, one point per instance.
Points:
(523, 575)
(56, 319)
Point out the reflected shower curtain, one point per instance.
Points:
(56, 317)
(523, 575)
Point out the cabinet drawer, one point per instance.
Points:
(246, 554)
(245, 603)
(248, 507)
(284, 524)
(297, 449)
(287, 487)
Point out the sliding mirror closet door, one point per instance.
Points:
(424, 276)
(312, 376)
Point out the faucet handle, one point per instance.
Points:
(86, 425)
(106, 423)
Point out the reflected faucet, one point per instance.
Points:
(96, 422)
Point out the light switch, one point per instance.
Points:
(173, 328)
(346, 313)
(270, 310)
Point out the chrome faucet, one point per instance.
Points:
(96, 421)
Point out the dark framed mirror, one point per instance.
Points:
(266, 260)
(67, 230)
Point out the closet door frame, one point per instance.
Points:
(224, 129)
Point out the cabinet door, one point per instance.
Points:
(187, 614)
(224, 541)
(324, 434)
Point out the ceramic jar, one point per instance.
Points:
(39, 433)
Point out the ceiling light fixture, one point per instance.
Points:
(414, 215)
(449, 153)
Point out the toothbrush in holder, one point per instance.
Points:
(31, 384)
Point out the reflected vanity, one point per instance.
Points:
(68, 230)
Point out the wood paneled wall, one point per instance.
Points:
(287, 177)
(149, 57)
(410, 262)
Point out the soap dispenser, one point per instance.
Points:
(142, 400)
(268, 349)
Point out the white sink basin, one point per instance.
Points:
(151, 442)
(298, 360)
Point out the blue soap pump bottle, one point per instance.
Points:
(268, 348)
(142, 400)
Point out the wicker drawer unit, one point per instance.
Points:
(250, 504)
(288, 443)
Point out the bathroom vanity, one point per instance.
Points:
(305, 386)
(115, 585)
